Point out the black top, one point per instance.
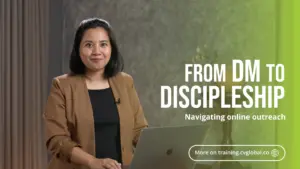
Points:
(107, 124)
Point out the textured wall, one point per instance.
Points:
(156, 38)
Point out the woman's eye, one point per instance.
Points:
(103, 45)
(88, 45)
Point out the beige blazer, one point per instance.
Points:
(69, 119)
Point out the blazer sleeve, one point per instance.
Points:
(58, 138)
(140, 121)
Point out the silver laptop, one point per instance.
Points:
(167, 147)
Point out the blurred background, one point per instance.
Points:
(156, 39)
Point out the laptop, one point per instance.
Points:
(167, 147)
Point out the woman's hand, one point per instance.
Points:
(105, 163)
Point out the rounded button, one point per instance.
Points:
(237, 152)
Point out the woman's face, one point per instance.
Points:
(95, 49)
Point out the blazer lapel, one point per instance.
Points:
(115, 88)
(86, 111)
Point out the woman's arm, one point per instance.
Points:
(79, 156)
(140, 121)
(58, 137)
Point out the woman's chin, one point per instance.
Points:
(97, 68)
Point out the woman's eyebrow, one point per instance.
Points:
(103, 40)
(90, 41)
(87, 41)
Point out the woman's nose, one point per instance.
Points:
(96, 50)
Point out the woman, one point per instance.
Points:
(93, 116)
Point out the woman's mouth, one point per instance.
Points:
(96, 59)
